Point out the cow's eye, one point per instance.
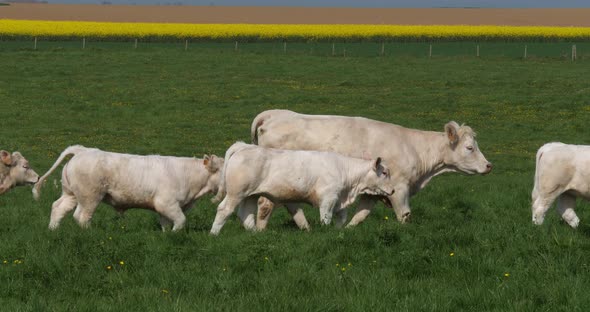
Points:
(470, 148)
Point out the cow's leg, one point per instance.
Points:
(327, 208)
(401, 204)
(246, 212)
(172, 212)
(265, 209)
(66, 203)
(297, 214)
(341, 215)
(224, 210)
(540, 206)
(164, 223)
(366, 204)
(85, 210)
(565, 207)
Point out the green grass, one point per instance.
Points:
(162, 99)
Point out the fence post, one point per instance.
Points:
(574, 52)
(525, 48)
(344, 52)
(236, 46)
(186, 44)
(285, 47)
(35, 45)
(83, 43)
(135, 45)
(382, 48)
(478, 50)
(430, 51)
(333, 47)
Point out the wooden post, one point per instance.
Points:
(344, 52)
(525, 48)
(285, 47)
(236, 46)
(186, 44)
(35, 45)
(382, 48)
(430, 51)
(83, 43)
(574, 56)
(333, 47)
(478, 50)
(135, 46)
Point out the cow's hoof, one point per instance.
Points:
(406, 217)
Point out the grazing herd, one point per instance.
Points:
(325, 161)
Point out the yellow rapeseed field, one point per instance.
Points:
(259, 32)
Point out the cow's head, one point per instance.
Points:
(18, 168)
(463, 153)
(378, 180)
(214, 165)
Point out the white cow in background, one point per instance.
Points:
(413, 156)
(326, 180)
(165, 184)
(563, 173)
(15, 171)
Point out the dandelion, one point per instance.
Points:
(121, 262)
(5, 262)
(109, 267)
(452, 254)
(386, 218)
(110, 238)
(506, 274)
(343, 269)
(165, 291)
(337, 264)
(265, 258)
(349, 264)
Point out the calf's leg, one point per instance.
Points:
(172, 212)
(265, 209)
(246, 212)
(565, 207)
(297, 214)
(224, 210)
(327, 207)
(85, 210)
(341, 215)
(366, 204)
(540, 206)
(63, 205)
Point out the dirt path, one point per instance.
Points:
(293, 15)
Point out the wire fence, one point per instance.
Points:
(575, 51)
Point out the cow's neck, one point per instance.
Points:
(432, 161)
(357, 170)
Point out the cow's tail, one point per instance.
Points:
(236, 147)
(72, 150)
(257, 123)
(538, 158)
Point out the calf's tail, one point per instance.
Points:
(236, 147)
(72, 150)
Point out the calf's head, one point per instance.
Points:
(378, 180)
(16, 168)
(462, 153)
(214, 165)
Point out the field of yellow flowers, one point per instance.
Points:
(16, 29)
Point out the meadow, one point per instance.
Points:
(471, 244)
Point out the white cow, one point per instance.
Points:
(15, 171)
(414, 156)
(326, 180)
(563, 173)
(168, 185)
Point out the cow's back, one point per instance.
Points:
(351, 136)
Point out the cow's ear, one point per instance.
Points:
(206, 160)
(211, 163)
(451, 129)
(377, 164)
(5, 157)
